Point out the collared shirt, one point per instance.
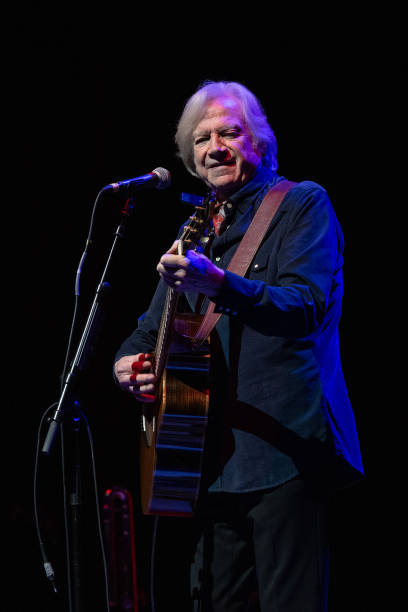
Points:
(278, 400)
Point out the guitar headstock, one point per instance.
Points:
(196, 233)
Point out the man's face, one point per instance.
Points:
(224, 154)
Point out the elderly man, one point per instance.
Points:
(281, 430)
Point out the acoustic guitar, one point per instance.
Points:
(173, 427)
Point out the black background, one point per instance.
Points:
(95, 99)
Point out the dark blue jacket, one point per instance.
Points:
(279, 404)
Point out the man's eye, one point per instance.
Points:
(231, 134)
(200, 139)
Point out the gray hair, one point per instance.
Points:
(253, 113)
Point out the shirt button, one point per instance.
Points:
(217, 258)
(256, 265)
(227, 310)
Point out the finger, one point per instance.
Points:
(141, 386)
(173, 277)
(142, 357)
(141, 363)
(149, 388)
(142, 390)
(146, 397)
(142, 397)
(174, 261)
(142, 379)
(177, 285)
(139, 366)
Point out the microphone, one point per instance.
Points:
(159, 179)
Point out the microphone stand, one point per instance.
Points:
(75, 505)
(68, 405)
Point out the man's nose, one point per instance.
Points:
(217, 148)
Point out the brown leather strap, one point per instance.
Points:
(246, 250)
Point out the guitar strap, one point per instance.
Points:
(246, 250)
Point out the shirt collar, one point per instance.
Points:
(263, 179)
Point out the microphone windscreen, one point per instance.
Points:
(164, 178)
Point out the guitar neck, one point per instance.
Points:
(192, 233)
(164, 334)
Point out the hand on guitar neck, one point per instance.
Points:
(190, 272)
(133, 374)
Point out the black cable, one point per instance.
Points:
(98, 512)
(153, 563)
(66, 520)
(77, 282)
(49, 571)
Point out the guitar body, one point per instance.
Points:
(173, 432)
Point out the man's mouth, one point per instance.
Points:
(230, 162)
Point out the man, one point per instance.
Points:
(281, 431)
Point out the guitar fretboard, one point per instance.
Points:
(163, 337)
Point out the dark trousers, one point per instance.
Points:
(272, 542)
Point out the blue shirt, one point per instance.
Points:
(278, 400)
